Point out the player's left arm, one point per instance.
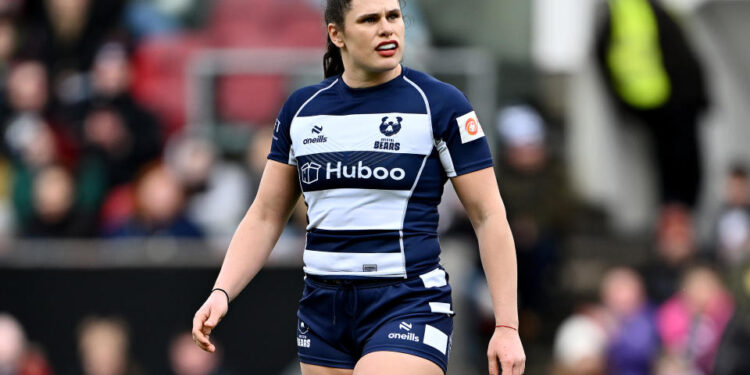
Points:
(480, 197)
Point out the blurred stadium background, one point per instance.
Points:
(133, 134)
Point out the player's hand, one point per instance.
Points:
(505, 346)
(206, 319)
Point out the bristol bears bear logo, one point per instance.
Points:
(389, 128)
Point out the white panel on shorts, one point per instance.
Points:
(360, 132)
(351, 209)
(435, 338)
(353, 264)
(434, 278)
(441, 308)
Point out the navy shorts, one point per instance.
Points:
(340, 322)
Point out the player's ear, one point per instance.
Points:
(336, 35)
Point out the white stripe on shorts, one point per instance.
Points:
(441, 308)
(434, 278)
(435, 338)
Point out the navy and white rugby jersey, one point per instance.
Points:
(372, 163)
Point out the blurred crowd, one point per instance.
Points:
(92, 109)
(677, 306)
(103, 346)
(94, 144)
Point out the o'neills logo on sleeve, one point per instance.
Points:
(469, 128)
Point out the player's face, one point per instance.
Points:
(373, 37)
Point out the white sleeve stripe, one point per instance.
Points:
(424, 161)
(445, 158)
(311, 98)
(292, 160)
(426, 103)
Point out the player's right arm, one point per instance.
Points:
(251, 244)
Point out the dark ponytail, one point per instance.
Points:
(335, 11)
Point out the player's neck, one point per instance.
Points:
(358, 78)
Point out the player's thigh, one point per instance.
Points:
(308, 369)
(394, 363)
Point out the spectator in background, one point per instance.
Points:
(256, 156)
(674, 365)
(653, 75)
(733, 222)
(6, 211)
(538, 202)
(217, 191)
(160, 18)
(257, 153)
(104, 347)
(185, 358)
(692, 321)
(33, 138)
(581, 343)
(119, 135)
(26, 105)
(26, 109)
(159, 208)
(33, 148)
(55, 210)
(8, 43)
(676, 249)
(17, 357)
(733, 246)
(732, 357)
(65, 35)
(633, 342)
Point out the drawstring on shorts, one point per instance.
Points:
(346, 285)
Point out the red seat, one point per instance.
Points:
(160, 63)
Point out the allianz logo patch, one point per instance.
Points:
(316, 129)
(311, 172)
(409, 336)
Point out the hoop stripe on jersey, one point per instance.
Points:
(372, 163)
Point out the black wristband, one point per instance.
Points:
(223, 291)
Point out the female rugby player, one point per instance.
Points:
(370, 148)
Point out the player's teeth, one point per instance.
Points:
(387, 46)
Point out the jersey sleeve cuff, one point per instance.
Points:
(280, 159)
(473, 167)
